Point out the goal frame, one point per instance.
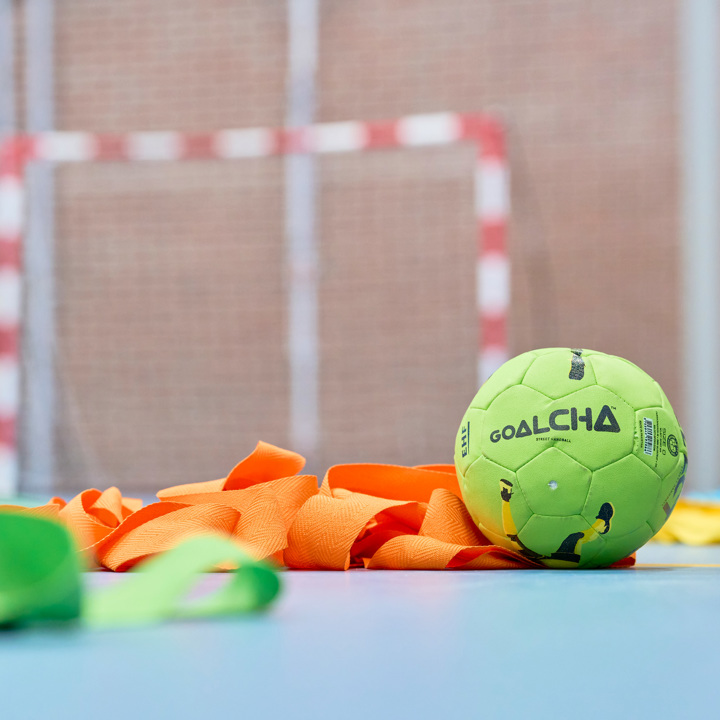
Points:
(491, 210)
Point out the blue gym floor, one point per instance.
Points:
(635, 643)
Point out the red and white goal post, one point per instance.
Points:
(491, 183)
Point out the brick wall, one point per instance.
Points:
(170, 292)
(588, 92)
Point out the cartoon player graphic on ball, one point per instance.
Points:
(570, 548)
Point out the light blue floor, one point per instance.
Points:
(639, 643)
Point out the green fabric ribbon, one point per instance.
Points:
(41, 579)
(40, 576)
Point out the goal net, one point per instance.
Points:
(172, 320)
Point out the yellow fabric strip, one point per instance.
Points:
(693, 522)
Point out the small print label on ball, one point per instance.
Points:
(577, 365)
(465, 439)
(649, 432)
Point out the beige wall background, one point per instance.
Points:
(171, 317)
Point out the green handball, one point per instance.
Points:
(573, 458)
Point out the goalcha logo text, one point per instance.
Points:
(562, 420)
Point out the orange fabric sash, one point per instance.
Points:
(363, 515)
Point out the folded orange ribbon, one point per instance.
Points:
(363, 515)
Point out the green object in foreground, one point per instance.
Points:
(40, 575)
(41, 579)
(156, 588)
